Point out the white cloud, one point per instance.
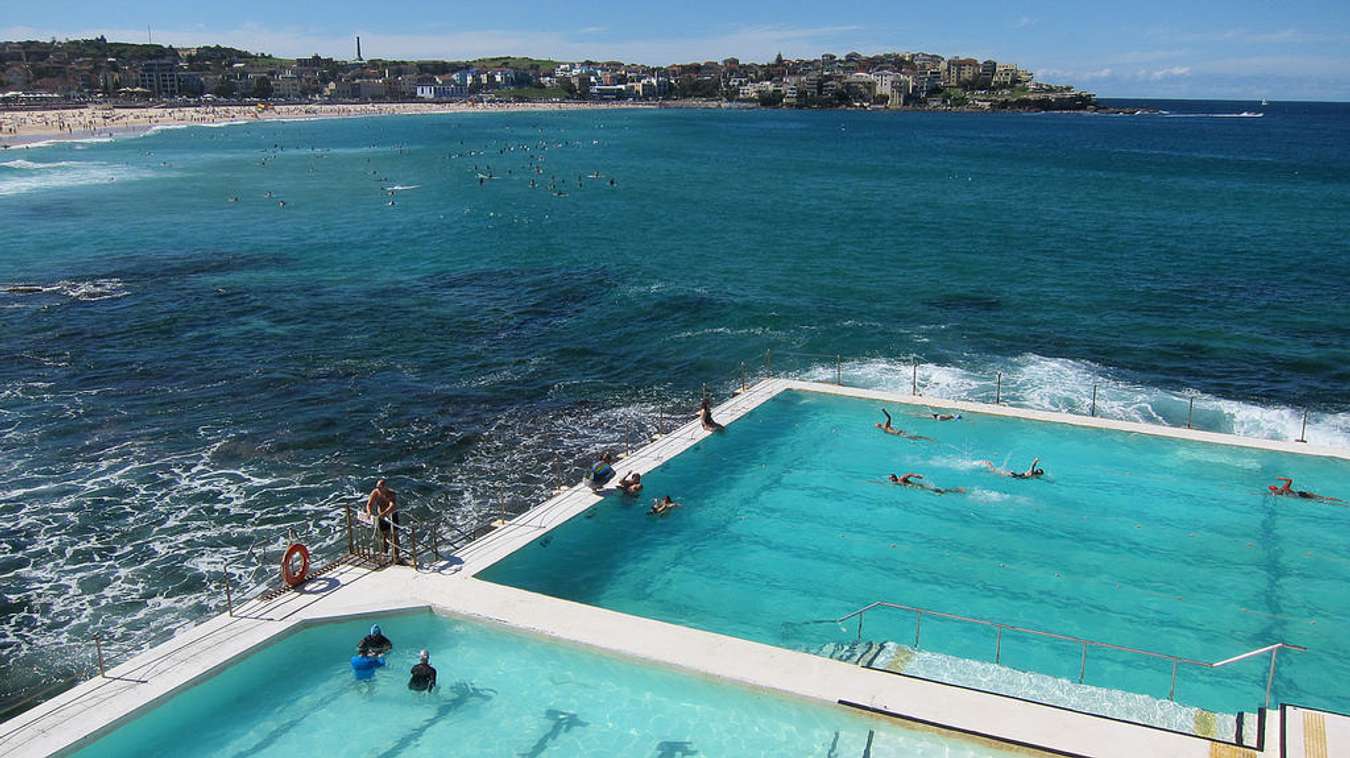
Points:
(1165, 73)
(1023, 22)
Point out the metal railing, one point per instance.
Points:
(824, 361)
(423, 535)
(1082, 642)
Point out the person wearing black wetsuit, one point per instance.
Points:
(423, 675)
(374, 643)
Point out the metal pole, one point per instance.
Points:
(98, 648)
(1190, 411)
(1093, 410)
(914, 381)
(229, 596)
(918, 619)
(838, 371)
(768, 362)
(743, 384)
(860, 618)
(412, 536)
(1270, 677)
(998, 645)
(998, 390)
(1172, 692)
(1303, 435)
(351, 542)
(1082, 664)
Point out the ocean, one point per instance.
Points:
(189, 367)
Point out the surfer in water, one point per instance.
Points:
(1287, 490)
(916, 481)
(889, 429)
(1034, 471)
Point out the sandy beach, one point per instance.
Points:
(19, 128)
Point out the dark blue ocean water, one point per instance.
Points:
(194, 373)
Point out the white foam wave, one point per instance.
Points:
(93, 289)
(402, 187)
(1243, 114)
(1065, 385)
(33, 166)
(29, 176)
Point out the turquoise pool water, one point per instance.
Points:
(501, 693)
(1131, 539)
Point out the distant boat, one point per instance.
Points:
(1265, 101)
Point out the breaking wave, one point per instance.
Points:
(1066, 385)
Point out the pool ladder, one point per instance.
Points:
(919, 613)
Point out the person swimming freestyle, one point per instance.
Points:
(1034, 471)
(916, 481)
(888, 428)
(1287, 490)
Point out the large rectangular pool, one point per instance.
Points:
(1175, 546)
(501, 693)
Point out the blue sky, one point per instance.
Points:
(1299, 49)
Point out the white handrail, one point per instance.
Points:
(919, 613)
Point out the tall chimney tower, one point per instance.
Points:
(358, 47)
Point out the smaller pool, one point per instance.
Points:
(501, 693)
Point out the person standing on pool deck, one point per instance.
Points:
(423, 677)
(706, 418)
(382, 507)
(1288, 491)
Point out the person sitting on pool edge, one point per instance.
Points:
(631, 484)
(423, 676)
(374, 643)
(601, 472)
(663, 506)
(1287, 490)
(914, 480)
(706, 418)
(1034, 471)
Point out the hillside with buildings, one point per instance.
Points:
(93, 70)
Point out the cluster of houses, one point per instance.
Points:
(85, 69)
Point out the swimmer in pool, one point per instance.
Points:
(944, 416)
(1034, 471)
(631, 484)
(663, 506)
(887, 428)
(1287, 490)
(916, 481)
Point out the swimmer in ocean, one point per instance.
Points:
(916, 481)
(1287, 490)
(889, 429)
(1034, 471)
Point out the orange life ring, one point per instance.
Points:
(292, 578)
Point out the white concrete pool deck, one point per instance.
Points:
(80, 715)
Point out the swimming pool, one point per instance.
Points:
(1133, 539)
(500, 693)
